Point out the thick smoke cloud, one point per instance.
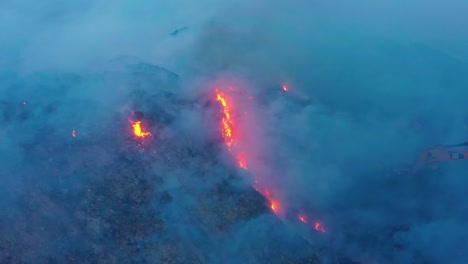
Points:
(371, 84)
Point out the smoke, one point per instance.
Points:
(370, 85)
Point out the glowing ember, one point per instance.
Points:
(229, 139)
(274, 204)
(138, 131)
(303, 219)
(227, 122)
(227, 131)
(274, 207)
(242, 162)
(73, 133)
(319, 227)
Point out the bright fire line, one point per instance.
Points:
(229, 139)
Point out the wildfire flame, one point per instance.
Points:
(303, 219)
(241, 161)
(227, 121)
(274, 207)
(274, 204)
(319, 227)
(227, 131)
(138, 130)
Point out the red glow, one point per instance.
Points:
(319, 227)
(73, 133)
(138, 130)
(274, 207)
(234, 141)
(227, 130)
(303, 219)
(231, 138)
(227, 121)
(241, 161)
(274, 204)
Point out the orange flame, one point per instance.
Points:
(229, 139)
(274, 207)
(138, 131)
(274, 204)
(227, 130)
(227, 122)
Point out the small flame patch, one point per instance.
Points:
(274, 206)
(242, 162)
(138, 130)
(319, 227)
(303, 219)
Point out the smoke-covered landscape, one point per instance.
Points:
(233, 132)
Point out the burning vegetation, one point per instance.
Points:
(139, 127)
(128, 192)
(138, 130)
(228, 123)
(231, 134)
